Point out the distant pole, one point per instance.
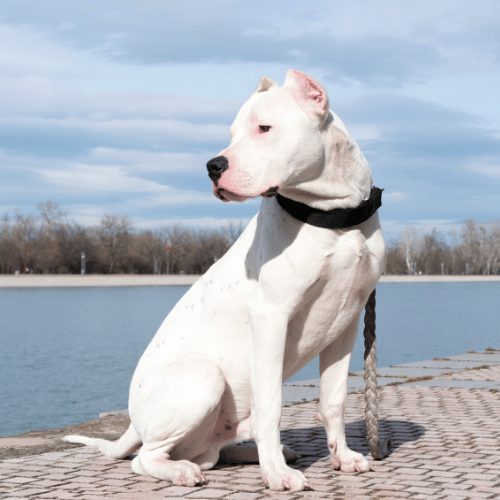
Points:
(442, 267)
(83, 263)
(168, 248)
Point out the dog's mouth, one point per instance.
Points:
(226, 195)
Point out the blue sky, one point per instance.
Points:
(115, 106)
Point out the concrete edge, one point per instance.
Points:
(112, 280)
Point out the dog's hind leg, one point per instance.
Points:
(157, 463)
(175, 417)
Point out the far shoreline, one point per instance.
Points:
(114, 280)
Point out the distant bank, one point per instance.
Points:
(72, 280)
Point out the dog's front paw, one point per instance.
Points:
(350, 461)
(285, 478)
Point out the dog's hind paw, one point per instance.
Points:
(350, 461)
(185, 473)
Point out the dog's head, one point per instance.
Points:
(276, 140)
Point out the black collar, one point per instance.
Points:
(338, 218)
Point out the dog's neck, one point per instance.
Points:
(345, 178)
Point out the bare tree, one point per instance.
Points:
(8, 252)
(50, 222)
(432, 257)
(409, 246)
(114, 237)
(51, 215)
(480, 247)
(24, 235)
(154, 247)
(494, 254)
(72, 240)
(396, 261)
(232, 231)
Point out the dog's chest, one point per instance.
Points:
(333, 301)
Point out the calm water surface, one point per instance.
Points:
(69, 353)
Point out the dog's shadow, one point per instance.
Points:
(311, 443)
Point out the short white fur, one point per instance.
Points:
(284, 293)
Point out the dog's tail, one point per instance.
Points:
(120, 448)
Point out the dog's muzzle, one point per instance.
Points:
(215, 167)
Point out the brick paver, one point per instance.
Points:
(492, 373)
(446, 444)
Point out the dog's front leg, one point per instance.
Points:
(334, 367)
(269, 329)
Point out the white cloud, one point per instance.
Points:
(100, 179)
(393, 228)
(194, 222)
(27, 51)
(395, 195)
(144, 130)
(365, 132)
(487, 170)
(175, 196)
(150, 161)
(53, 96)
(116, 181)
(89, 215)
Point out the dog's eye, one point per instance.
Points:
(264, 128)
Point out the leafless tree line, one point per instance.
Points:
(50, 243)
(475, 249)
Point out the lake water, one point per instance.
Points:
(68, 354)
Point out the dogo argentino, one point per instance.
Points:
(284, 293)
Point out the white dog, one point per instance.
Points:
(284, 293)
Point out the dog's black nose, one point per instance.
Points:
(215, 167)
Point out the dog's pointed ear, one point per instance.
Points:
(265, 84)
(310, 95)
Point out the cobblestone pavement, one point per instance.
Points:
(492, 373)
(446, 444)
